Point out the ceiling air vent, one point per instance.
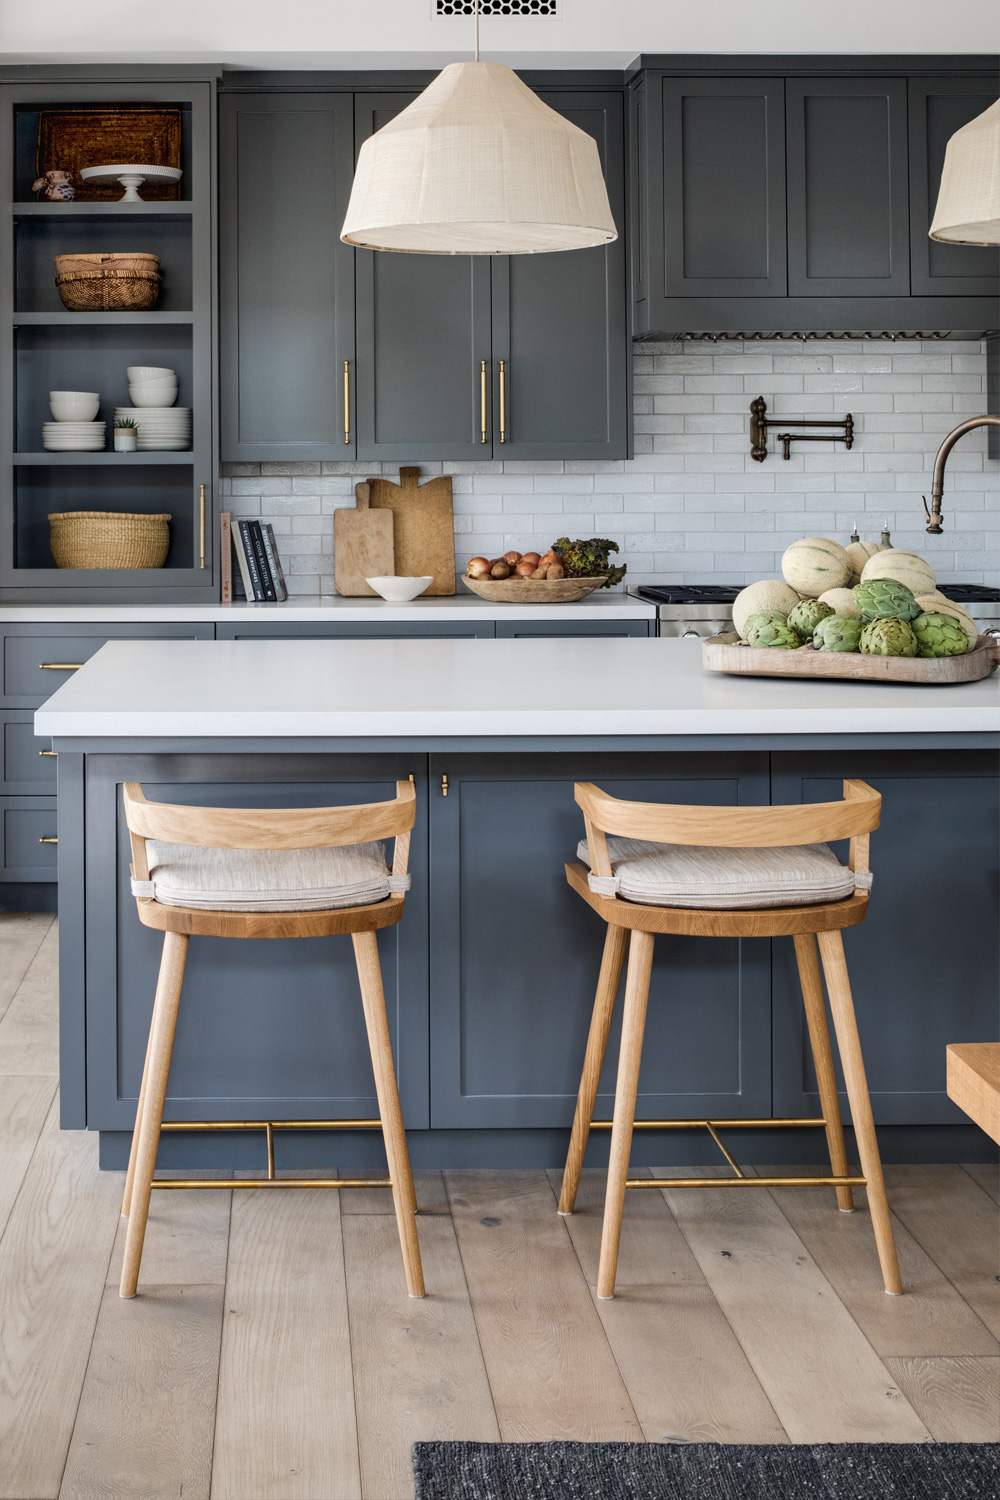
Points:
(524, 8)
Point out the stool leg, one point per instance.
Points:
(133, 1150)
(831, 947)
(403, 1196)
(819, 1039)
(640, 963)
(161, 1046)
(597, 1042)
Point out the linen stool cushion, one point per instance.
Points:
(704, 876)
(267, 879)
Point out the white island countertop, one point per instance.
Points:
(487, 688)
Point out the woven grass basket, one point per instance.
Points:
(108, 539)
(108, 290)
(111, 260)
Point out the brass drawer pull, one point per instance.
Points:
(482, 401)
(347, 401)
(59, 666)
(444, 786)
(48, 752)
(202, 524)
(503, 402)
(48, 841)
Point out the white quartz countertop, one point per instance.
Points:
(601, 605)
(485, 687)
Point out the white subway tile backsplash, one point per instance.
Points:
(692, 506)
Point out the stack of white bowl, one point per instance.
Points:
(161, 424)
(74, 430)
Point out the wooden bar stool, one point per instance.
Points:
(726, 872)
(239, 873)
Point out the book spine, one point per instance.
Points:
(242, 586)
(267, 581)
(256, 588)
(226, 554)
(274, 562)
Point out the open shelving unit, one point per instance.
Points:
(46, 347)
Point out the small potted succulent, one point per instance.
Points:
(126, 435)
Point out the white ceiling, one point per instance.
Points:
(404, 33)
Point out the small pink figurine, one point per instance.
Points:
(57, 185)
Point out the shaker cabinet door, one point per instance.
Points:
(286, 285)
(848, 213)
(560, 325)
(939, 107)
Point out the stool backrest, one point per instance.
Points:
(730, 827)
(269, 828)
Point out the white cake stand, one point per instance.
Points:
(130, 177)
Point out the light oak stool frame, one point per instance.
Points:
(635, 926)
(297, 828)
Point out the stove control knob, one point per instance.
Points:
(688, 633)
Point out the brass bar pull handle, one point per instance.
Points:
(59, 666)
(482, 401)
(503, 402)
(347, 401)
(48, 752)
(48, 841)
(444, 786)
(202, 525)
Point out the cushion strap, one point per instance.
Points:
(398, 883)
(142, 889)
(604, 885)
(862, 880)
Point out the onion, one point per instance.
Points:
(512, 559)
(475, 562)
(531, 557)
(524, 569)
(478, 568)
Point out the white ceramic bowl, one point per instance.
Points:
(142, 396)
(399, 590)
(153, 385)
(74, 406)
(150, 372)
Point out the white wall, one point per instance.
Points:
(360, 33)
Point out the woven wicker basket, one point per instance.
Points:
(112, 260)
(102, 290)
(108, 539)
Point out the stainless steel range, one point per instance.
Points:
(706, 609)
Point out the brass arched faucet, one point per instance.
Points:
(937, 482)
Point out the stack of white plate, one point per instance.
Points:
(73, 437)
(163, 427)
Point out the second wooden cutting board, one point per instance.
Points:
(424, 536)
(362, 546)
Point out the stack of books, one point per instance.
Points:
(257, 574)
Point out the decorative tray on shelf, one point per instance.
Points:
(533, 590)
(725, 653)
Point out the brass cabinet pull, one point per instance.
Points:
(347, 401)
(444, 786)
(482, 401)
(59, 666)
(503, 402)
(48, 841)
(48, 752)
(203, 526)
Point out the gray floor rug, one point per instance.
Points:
(706, 1471)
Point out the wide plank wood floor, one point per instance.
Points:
(273, 1354)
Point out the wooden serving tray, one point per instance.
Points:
(533, 590)
(724, 653)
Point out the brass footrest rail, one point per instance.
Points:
(271, 1180)
(740, 1179)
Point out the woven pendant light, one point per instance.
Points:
(968, 206)
(478, 165)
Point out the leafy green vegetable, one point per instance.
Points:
(589, 559)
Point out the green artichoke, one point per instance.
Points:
(804, 618)
(772, 633)
(888, 637)
(884, 598)
(940, 635)
(838, 633)
(763, 617)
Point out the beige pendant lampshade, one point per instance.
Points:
(478, 165)
(968, 206)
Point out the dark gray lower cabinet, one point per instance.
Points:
(924, 963)
(260, 630)
(515, 953)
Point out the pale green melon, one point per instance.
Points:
(841, 601)
(769, 593)
(936, 603)
(814, 565)
(905, 567)
(858, 554)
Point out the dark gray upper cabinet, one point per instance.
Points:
(717, 195)
(847, 187)
(287, 282)
(560, 324)
(939, 107)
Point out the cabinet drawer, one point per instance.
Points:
(27, 822)
(353, 631)
(37, 659)
(576, 629)
(23, 767)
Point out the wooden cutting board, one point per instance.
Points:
(424, 536)
(362, 546)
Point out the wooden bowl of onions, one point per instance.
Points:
(532, 590)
